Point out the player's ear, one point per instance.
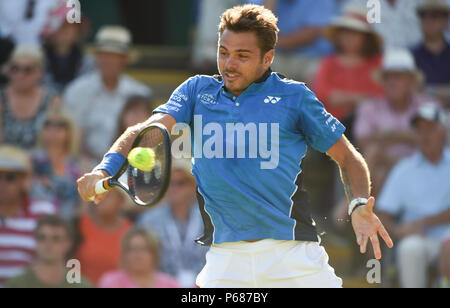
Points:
(268, 58)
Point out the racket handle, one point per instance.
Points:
(100, 188)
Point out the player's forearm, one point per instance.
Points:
(355, 177)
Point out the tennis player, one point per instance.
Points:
(259, 237)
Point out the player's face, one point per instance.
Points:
(240, 60)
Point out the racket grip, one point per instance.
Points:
(100, 188)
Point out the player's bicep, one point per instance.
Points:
(320, 128)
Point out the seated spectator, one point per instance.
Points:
(55, 165)
(18, 212)
(54, 238)
(24, 20)
(178, 223)
(433, 54)
(101, 231)
(399, 26)
(382, 128)
(24, 102)
(65, 57)
(345, 78)
(140, 255)
(97, 99)
(416, 193)
(137, 109)
(301, 45)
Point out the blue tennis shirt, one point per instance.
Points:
(247, 152)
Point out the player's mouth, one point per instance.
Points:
(230, 77)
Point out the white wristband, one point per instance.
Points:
(355, 203)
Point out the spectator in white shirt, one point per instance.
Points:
(96, 99)
(417, 192)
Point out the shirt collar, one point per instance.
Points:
(256, 83)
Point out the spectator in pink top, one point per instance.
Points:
(140, 254)
(382, 128)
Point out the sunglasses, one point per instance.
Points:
(55, 123)
(8, 177)
(26, 69)
(41, 237)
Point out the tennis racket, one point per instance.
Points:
(145, 188)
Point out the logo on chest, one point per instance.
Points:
(272, 99)
(207, 99)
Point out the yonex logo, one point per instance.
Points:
(272, 99)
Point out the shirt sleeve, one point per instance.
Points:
(390, 199)
(320, 128)
(181, 103)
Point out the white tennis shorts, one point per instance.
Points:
(268, 264)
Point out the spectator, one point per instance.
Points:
(300, 44)
(24, 102)
(387, 137)
(433, 54)
(399, 26)
(55, 165)
(54, 238)
(417, 193)
(345, 78)
(96, 99)
(137, 109)
(24, 20)
(64, 53)
(101, 230)
(140, 254)
(18, 212)
(178, 223)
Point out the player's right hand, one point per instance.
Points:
(86, 186)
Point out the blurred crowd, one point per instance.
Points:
(61, 108)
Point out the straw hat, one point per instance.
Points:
(14, 159)
(398, 60)
(30, 52)
(115, 39)
(436, 5)
(353, 18)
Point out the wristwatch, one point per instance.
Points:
(356, 203)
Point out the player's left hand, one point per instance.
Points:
(367, 226)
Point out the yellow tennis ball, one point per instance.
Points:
(142, 158)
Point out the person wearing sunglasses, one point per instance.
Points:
(18, 212)
(178, 222)
(55, 164)
(432, 55)
(24, 102)
(54, 238)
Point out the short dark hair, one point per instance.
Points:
(252, 18)
(55, 222)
